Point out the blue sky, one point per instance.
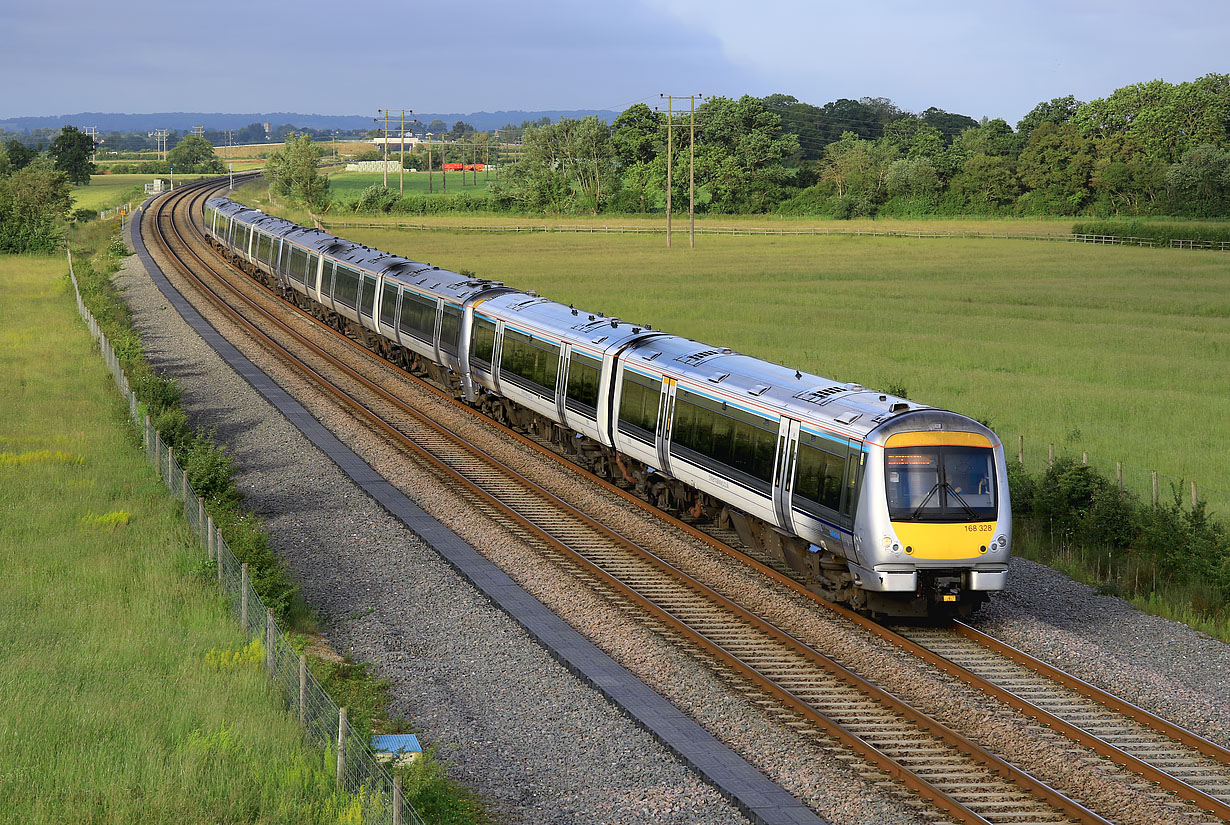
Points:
(990, 58)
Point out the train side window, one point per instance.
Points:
(346, 287)
(418, 315)
(819, 475)
(584, 373)
(638, 405)
(482, 341)
(388, 305)
(735, 438)
(368, 302)
(450, 328)
(326, 279)
(297, 265)
(854, 473)
(313, 269)
(530, 359)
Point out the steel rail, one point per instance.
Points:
(997, 765)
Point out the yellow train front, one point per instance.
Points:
(934, 529)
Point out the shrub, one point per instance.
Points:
(1162, 233)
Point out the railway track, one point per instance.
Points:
(962, 780)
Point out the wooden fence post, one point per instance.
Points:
(1050, 455)
(1194, 499)
(170, 478)
(397, 820)
(200, 515)
(341, 746)
(1085, 458)
(209, 535)
(1020, 450)
(1119, 473)
(1155, 488)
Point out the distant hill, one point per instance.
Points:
(184, 121)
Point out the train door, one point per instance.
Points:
(666, 409)
(783, 473)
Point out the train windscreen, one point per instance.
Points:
(940, 483)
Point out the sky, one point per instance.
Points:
(973, 57)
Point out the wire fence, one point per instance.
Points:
(359, 772)
(1146, 484)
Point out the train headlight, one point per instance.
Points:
(1002, 541)
(886, 542)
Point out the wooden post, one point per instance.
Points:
(209, 535)
(158, 452)
(170, 479)
(200, 515)
(1050, 455)
(270, 627)
(302, 690)
(1085, 458)
(243, 597)
(341, 746)
(1194, 499)
(397, 800)
(1119, 473)
(183, 486)
(1155, 488)
(1020, 450)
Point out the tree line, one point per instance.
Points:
(1149, 148)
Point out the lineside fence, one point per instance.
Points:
(377, 795)
(609, 229)
(1148, 485)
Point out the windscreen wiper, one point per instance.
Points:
(918, 510)
(957, 496)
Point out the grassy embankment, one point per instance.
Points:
(426, 781)
(110, 190)
(350, 185)
(129, 693)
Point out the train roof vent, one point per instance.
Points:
(719, 377)
(336, 248)
(818, 395)
(759, 389)
(848, 418)
(694, 358)
(599, 339)
(523, 304)
(649, 356)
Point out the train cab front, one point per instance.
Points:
(941, 531)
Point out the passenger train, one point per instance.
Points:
(892, 507)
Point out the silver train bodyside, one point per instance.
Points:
(893, 507)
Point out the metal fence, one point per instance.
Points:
(359, 772)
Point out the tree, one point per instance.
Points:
(987, 181)
(19, 154)
(563, 166)
(948, 124)
(740, 152)
(1057, 164)
(1166, 119)
(460, 131)
(292, 173)
(1200, 181)
(194, 154)
(1057, 111)
(70, 152)
(34, 201)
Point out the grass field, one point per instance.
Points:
(129, 696)
(349, 185)
(105, 191)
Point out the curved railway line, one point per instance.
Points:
(962, 780)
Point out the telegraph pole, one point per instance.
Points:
(199, 131)
(385, 112)
(670, 125)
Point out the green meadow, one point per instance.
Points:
(130, 696)
(105, 191)
(350, 185)
(1118, 351)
